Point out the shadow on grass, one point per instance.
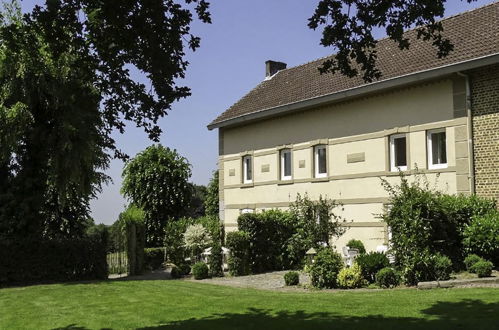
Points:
(466, 314)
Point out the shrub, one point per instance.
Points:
(351, 278)
(184, 268)
(175, 272)
(426, 267)
(356, 244)
(154, 258)
(483, 268)
(481, 236)
(470, 260)
(371, 263)
(291, 278)
(324, 271)
(238, 244)
(196, 239)
(424, 220)
(200, 271)
(215, 260)
(387, 278)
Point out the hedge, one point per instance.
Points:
(154, 258)
(29, 261)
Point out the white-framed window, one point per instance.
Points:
(320, 161)
(286, 173)
(398, 152)
(244, 211)
(247, 169)
(437, 148)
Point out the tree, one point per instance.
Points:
(66, 84)
(349, 24)
(156, 180)
(196, 207)
(212, 197)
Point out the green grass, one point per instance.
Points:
(187, 305)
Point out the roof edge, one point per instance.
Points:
(357, 91)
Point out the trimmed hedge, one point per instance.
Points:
(371, 264)
(200, 271)
(470, 260)
(154, 258)
(483, 268)
(238, 244)
(291, 278)
(324, 271)
(481, 236)
(387, 278)
(29, 261)
(215, 261)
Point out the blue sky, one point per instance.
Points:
(230, 62)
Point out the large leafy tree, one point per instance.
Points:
(349, 24)
(211, 202)
(156, 180)
(66, 85)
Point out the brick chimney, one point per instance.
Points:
(272, 67)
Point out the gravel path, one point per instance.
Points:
(266, 281)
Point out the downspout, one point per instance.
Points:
(469, 125)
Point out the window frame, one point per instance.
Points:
(246, 211)
(245, 169)
(316, 161)
(284, 177)
(393, 167)
(429, 149)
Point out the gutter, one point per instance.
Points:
(415, 77)
(469, 119)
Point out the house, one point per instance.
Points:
(302, 132)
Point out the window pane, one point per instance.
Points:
(400, 151)
(438, 148)
(287, 163)
(322, 160)
(248, 168)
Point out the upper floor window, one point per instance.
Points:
(398, 152)
(320, 161)
(437, 149)
(286, 164)
(247, 169)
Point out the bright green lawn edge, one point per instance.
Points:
(187, 305)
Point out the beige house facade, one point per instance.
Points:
(300, 132)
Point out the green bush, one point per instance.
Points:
(291, 278)
(356, 244)
(423, 220)
(426, 267)
(32, 261)
(371, 263)
(184, 268)
(387, 278)
(351, 278)
(483, 268)
(215, 260)
(200, 271)
(471, 260)
(175, 272)
(154, 258)
(324, 271)
(481, 236)
(238, 244)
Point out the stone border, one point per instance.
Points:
(463, 282)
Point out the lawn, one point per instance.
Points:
(188, 305)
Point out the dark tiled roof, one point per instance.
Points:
(474, 34)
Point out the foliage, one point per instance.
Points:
(66, 85)
(483, 268)
(196, 207)
(184, 268)
(212, 197)
(387, 278)
(154, 258)
(238, 244)
(470, 260)
(200, 271)
(357, 244)
(371, 263)
(215, 261)
(175, 272)
(481, 236)
(196, 239)
(424, 220)
(351, 278)
(291, 278)
(349, 27)
(268, 232)
(324, 271)
(156, 179)
(27, 261)
(130, 229)
(426, 267)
